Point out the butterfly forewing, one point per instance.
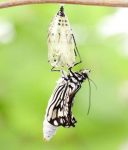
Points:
(59, 109)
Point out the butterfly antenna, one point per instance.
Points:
(90, 92)
(89, 96)
(93, 83)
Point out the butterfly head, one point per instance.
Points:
(85, 73)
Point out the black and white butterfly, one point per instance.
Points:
(62, 49)
(59, 109)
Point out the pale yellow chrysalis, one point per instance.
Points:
(61, 43)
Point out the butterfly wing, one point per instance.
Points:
(59, 107)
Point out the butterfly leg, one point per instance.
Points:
(64, 75)
(76, 52)
(77, 63)
(70, 69)
(52, 69)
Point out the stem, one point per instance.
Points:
(111, 3)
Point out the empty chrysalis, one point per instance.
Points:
(62, 49)
(59, 109)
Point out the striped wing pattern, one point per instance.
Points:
(59, 111)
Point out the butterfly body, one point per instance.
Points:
(59, 110)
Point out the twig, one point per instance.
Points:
(111, 3)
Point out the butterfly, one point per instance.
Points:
(62, 48)
(59, 109)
